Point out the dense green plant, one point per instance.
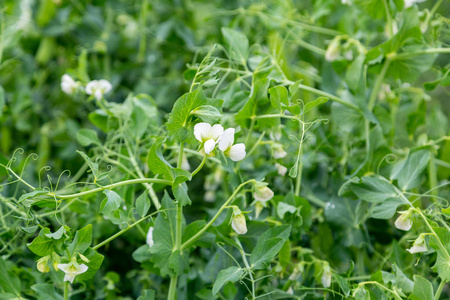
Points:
(224, 150)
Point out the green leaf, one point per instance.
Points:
(2, 100)
(9, 283)
(423, 289)
(268, 245)
(164, 236)
(343, 284)
(408, 173)
(386, 209)
(180, 193)
(442, 264)
(278, 95)
(178, 122)
(57, 235)
(142, 204)
(207, 113)
(29, 199)
(142, 254)
(257, 97)
(178, 262)
(110, 203)
(237, 44)
(81, 241)
(42, 245)
(93, 166)
(95, 261)
(373, 189)
(310, 105)
(283, 208)
(156, 161)
(231, 274)
(45, 291)
(87, 137)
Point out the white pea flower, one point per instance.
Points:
(333, 49)
(281, 169)
(278, 151)
(404, 222)
(72, 269)
(275, 135)
(326, 276)
(290, 291)
(409, 3)
(68, 85)
(238, 223)
(207, 134)
(98, 88)
(262, 192)
(149, 239)
(235, 152)
(419, 245)
(209, 196)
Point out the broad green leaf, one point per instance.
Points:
(442, 264)
(355, 73)
(231, 274)
(409, 171)
(257, 97)
(156, 161)
(111, 202)
(45, 291)
(29, 199)
(237, 44)
(386, 209)
(180, 193)
(9, 283)
(310, 105)
(87, 137)
(81, 241)
(142, 254)
(268, 245)
(178, 122)
(143, 204)
(374, 189)
(177, 262)
(57, 234)
(95, 261)
(343, 284)
(278, 95)
(283, 208)
(93, 166)
(42, 245)
(207, 113)
(423, 289)
(164, 236)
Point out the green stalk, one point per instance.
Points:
(247, 265)
(378, 82)
(121, 232)
(200, 166)
(300, 163)
(111, 186)
(201, 231)
(143, 39)
(66, 290)
(388, 18)
(439, 290)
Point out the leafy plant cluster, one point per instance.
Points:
(224, 150)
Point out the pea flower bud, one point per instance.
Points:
(333, 49)
(281, 169)
(238, 223)
(149, 239)
(278, 151)
(42, 264)
(262, 192)
(326, 276)
(68, 85)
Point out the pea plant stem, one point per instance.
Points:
(300, 161)
(200, 166)
(111, 186)
(201, 231)
(439, 290)
(66, 290)
(396, 296)
(247, 265)
(121, 232)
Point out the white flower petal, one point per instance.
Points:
(68, 85)
(278, 153)
(237, 152)
(83, 268)
(69, 278)
(281, 169)
(216, 132)
(201, 131)
(209, 146)
(91, 86)
(416, 248)
(227, 139)
(326, 279)
(150, 237)
(105, 86)
(98, 94)
(403, 222)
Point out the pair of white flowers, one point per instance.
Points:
(262, 193)
(97, 88)
(404, 222)
(210, 136)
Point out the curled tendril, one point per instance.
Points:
(59, 178)
(13, 157)
(293, 137)
(44, 168)
(49, 178)
(389, 158)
